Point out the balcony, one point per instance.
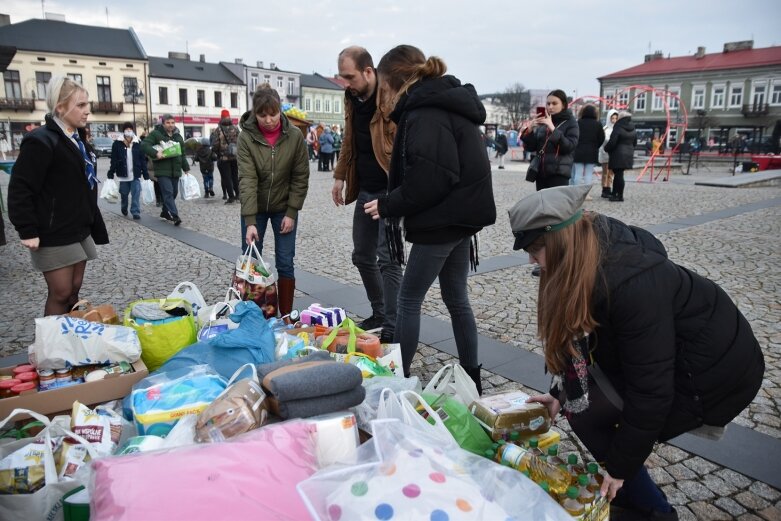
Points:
(17, 104)
(107, 107)
(755, 110)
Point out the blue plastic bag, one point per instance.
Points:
(252, 342)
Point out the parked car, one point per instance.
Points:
(759, 146)
(102, 146)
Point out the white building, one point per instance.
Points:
(286, 83)
(194, 92)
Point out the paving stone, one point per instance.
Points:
(749, 517)
(751, 501)
(765, 491)
(730, 506)
(733, 478)
(674, 495)
(707, 512)
(684, 514)
(681, 472)
(770, 513)
(719, 486)
(694, 490)
(700, 465)
(671, 454)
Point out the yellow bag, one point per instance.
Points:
(160, 341)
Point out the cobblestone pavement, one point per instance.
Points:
(740, 253)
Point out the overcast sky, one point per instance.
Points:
(543, 44)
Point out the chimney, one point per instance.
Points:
(174, 55)
(700, 53)
(272, 66)
(203, 58)
(54, 16)
(260, 64)
(5, 20)
(745, 45)
(657, 55)
(238, 61)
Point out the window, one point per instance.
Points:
(130, 87)
(217, 99)
(673, 99)
(657, 101)
(759, 97)
(337, 106)
(610, 96)
(162, 94)
(327, 104)
(317, 105)
(698, 97)
(280, 82)
(75, 77)
(254, 82)
(200, 96)
(13, 87)
(267, 78)
(291, 86)
(623, 100)
(775, 95)
(182, 96)
(234, 100)
(307, 104)
(735, 95)
(717, 97)
(640, 102)
(104, 89)
(41, 83)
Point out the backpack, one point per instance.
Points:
(231, 149)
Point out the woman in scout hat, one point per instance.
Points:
(641, 349)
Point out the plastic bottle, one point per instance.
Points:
(573, 468)
(534, 447)
(585, 495)
(594, 477)
(553, 457)
(514, 437)
(571, 504)
(539, 470)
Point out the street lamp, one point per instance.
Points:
(133, 95)
(184, 111)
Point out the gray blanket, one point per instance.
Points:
(308, 378)
(320, 405)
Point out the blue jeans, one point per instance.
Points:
(284, 243)
(208, 181)
(581, 170)
(426, 262)
(134, 189)
(381, 276)
(169, 186)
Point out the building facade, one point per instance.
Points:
(286, 83)
(736, 92)
(110, 63)
(322, 100)
(194, 93)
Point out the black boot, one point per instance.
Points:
(606, 192)
(474, 374)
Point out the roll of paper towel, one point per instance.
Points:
(336, 437)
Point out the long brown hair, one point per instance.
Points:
(404, 65)
(572, 257)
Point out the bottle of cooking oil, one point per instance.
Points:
(534, 447)
(544, 486)
(553, 457)
(585, 495)
(594, 477)
(514, 437)
(573, 468)
(571, 504)
(539, 470)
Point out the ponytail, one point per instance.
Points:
(405, 65)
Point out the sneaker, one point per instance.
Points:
(373, 322)
(177, 221)
(124, 212)
(536, 271)
(224, 197)
(616, 198)
(501, 167)
(211, 192)
(165, 215)
(386, 337)
(136, 217)
(206, 194)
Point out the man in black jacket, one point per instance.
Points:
(128, 163)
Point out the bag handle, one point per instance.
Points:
(241, 369)
(354, 330)
(81, 302)
(219, 309)
(228, 294)
(413, 417)
(433, 385)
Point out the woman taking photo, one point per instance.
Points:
(641, 349)
(53, 195)
(273, 182)
(552, 136)
(440, 184)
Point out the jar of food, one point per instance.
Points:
(6, 386)
(24, 387)
(63, 377)
(46, 379)
(24, 368)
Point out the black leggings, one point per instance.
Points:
(618, 181)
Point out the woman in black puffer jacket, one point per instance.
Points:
(554, 139)
(621, 148)
(592, 136)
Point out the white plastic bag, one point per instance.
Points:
(189, 292)
(147, 192)
(367, 410)
(402, 407)
(110, 191)
(453, 381)
(63, 341)
(189, 188)
(222, 307)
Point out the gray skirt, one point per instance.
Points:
(56, 257)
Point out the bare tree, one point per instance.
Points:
(516, 99)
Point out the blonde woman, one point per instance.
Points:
(52, 196)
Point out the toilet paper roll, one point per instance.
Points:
(336, 438)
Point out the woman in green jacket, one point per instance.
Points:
(273, 182)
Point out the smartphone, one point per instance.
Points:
(541, 112)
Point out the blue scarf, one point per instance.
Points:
(92, 178)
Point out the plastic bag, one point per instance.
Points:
(255, 280)
(160, 341)
(188, 187)
(453, 381)
(189, 292)
(402, 407)
(464, 427)
(232, 297)
(367, 411)
(417, 478)
(110, 191)
(147, 192)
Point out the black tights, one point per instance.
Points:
(618, 181)
(64, 285)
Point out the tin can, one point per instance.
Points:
(46, 379)
(6, 386)
(63, 376)
(24, 387)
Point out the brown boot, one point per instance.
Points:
(286, 290)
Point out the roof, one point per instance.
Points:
(66, 38)
(748, 58)
(339, 81)
(179, 69)
(316, 81)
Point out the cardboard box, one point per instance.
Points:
(48, 402)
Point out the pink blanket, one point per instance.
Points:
(253, 476)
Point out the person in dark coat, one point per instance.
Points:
(53, 195)
(621, 148)
(440, 183)
(553, 138)
(641, 349)
(126, 152)
(592, 136)
(501, 148)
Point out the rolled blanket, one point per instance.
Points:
(319, 405)
(311, 380)
(265, 369)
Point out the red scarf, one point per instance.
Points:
(271, 135)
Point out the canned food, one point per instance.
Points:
(46, 379)
(6, 386)
(24, 387)
(63, 376)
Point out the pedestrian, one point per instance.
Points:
(440, 185)
(591, 137)
(5, 146)
(274, 180)
(318, 133)
(360, 176)
(53, 195)
(128, 164)
(337, 144)
(604, 158)
(311, 137)
(168, 170)
(205, 157)
(326, 148)
(224, 142)
(641, 349)
(621, 148)
(553, 137)
(501, 148)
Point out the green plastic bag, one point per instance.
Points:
(459, 421)
(159, 342)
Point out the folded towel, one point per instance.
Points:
(320, 405)
(264, 369)
(311, 380)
